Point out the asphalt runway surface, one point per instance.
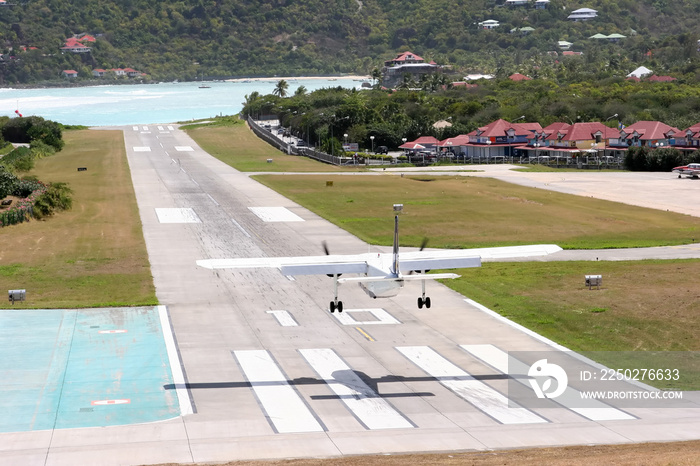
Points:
(270, 373)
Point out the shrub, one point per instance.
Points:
(34, 128)
(8, 182)
(19, 160)
(55, 198)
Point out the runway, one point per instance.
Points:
(270, 373)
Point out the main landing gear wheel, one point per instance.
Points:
(424, 301)
(336, 305)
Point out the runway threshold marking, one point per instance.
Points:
(364, 403)
(275, 214)
(284, 318)
(570, 399)
(177, 215)
(462, 384)
(283, 406)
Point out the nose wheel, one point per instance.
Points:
(336, 305)
(423, 300)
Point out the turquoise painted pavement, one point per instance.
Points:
(83, 368)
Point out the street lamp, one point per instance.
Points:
(372, 139)
(612, 116)
(537, 153)
(345, 136)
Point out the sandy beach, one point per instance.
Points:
(297, 78)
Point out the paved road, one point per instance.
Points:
(272, 374)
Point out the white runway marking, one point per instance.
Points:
(136, 128)
(175, 364)
(142, 149)
(368, 407)
(171, 128)
(275, 214)
(209, 195)
(176, 215)
(382, 317)
(282, 404)
(241, 228)
(284, 318)
(184, 149)
(160, 128)
(467, 387)
(570, 399)
(145, 128)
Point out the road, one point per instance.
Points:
(270, 373)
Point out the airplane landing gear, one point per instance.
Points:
(423, 300)
(335, 304)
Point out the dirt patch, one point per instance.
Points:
(676, 453)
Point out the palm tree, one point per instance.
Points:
(376, 76)
(301, 91)
(281, 88)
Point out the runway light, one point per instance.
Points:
(398, 207)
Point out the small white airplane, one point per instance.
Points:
(692, 170)
(382, 275)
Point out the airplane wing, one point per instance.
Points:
(303, 265)
(462, 258)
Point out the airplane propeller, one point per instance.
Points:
(423, 244)
(328, 253)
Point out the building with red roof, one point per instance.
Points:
(69, 74)
(518, 77)
(652, 134)
(689, 139)
(660, 79)
(406, 63)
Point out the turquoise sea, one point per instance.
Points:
(145, 103)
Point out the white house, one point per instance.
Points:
(640, 72)
(582, 14)
(489, 24)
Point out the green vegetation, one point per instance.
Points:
(465, 212)
(323, 116)
(92, 255)
(231, 141)
(195, 40)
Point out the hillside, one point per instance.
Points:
(223, 38)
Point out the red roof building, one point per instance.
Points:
(404, 58)
(518, 77)
(660, 79)
(653, 134)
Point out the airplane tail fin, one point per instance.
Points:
(395, 262)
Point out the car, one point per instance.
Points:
(301, 143)
(280, 131)
(382, 150)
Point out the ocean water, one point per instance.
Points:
(145, 103)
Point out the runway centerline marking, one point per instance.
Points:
(365, 334)
(283, 406)
(364, 403)
(462, 384)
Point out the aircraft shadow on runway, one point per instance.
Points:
(340, 377)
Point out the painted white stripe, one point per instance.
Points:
(145, 128)
(212, 199)
(142, 149)
(136, 128)
(184, 149)
(170, 127)
(275, 214)
(282, 404)
(160, 128)
(175, 215)
(382, 317)
(175, 364)
(570, 399)
(467, 387)
(368, 407)
(241, 228)
(110, 402)
(284, 318)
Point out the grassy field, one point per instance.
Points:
(463, 212)
(236, 145)
(92, 255)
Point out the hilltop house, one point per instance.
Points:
(406, 63)
(69, 74)
(582, 14)
(489, 24)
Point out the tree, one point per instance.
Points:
(281, 88)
